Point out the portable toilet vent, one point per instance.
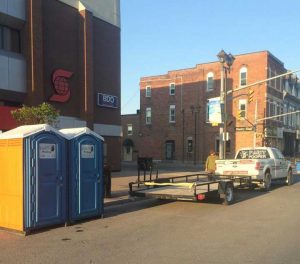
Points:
(85, 170)
(32, 178)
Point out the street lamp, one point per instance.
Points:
(227, 59)
(195, 110)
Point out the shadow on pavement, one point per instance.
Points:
(139, 204)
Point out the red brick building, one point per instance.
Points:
(174, 114)
(131, 136)
(67, 53)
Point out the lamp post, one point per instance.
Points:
(195, 110)
(227, 59)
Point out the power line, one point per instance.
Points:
(130, 99)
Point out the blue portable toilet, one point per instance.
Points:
(86, 181)
(40, 172)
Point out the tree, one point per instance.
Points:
(30, 115)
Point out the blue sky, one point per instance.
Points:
(162, 35)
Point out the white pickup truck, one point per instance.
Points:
(263, 164)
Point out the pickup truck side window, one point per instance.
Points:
(277, 154)
(253, 154)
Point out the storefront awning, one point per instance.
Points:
(6, 120)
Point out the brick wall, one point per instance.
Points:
(190, 100)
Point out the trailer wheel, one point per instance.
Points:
(267, 182)
(229, 196)
(290, 178)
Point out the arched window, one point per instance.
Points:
(243, 76)
(210, 81)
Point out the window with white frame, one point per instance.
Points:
(243, 76)
(207, 112)
(172, 114)
(172, 88)
(148, 91)
(129, 129)
(278, 111)
(209, 81)
(243, 107)
(148, 115)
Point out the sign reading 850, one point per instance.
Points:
(107, 100)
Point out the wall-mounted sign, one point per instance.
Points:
(107, 100)
(47, 151)
(61, 86)
(243, 128)
(87, 151)
(271, 132)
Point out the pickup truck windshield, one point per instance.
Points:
(253, 154)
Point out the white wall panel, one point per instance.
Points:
(14, 8)
(3, 6)
(3, 72)
(17, 74)
(108, 130)
(107, 10)
(12, 72)
(17, 8)
(70, 122)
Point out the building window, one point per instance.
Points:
(190, 145)
(210, 81)
(148, 115)
(272, 83)
(243, 76)
(10, 39)
(207, 112)
(172, 114)
(148, 91)
(242, 108)
(172, 88)
(129, 130)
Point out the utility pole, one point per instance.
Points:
(228, 59)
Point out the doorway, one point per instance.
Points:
(170, 149)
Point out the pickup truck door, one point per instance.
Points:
(279, 164)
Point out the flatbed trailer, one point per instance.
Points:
(194, 187)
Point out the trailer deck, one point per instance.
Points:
(193, 187)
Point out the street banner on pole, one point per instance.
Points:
(214, 110)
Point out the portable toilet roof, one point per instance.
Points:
(28, 130)
(71, 133)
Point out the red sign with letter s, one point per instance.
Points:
(61, 86)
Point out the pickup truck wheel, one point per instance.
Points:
(290, 178)
(228, 199)
(267, 182)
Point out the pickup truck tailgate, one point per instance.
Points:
(236, 167)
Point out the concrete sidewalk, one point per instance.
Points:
(120, 180)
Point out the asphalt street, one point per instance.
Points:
(258, 228)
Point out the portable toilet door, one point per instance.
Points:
(45, 180)
(39, 174)
(86, 181)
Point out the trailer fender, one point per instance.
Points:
(222, 187)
